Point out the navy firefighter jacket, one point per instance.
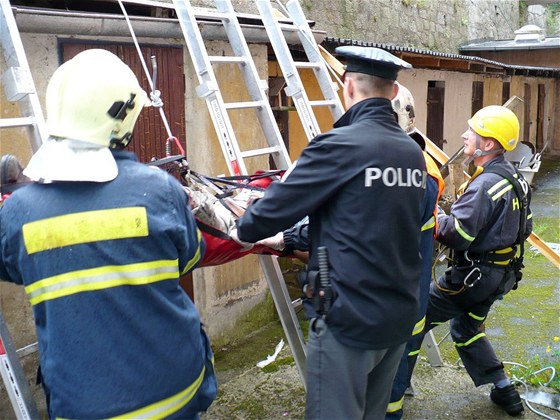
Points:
(486, 216)
(100, 263)
(362, 185)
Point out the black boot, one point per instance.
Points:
(508, 398)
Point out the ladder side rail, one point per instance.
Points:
(256, 87)
(15, 57)
(294, 84)
(14, 378)
(286, 312)
(208, 88)
(328, 87)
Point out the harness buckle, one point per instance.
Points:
(474, 272)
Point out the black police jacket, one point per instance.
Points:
(362, 185)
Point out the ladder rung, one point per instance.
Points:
(211, 15)
(16, 122)
(260, 152)
(306, 65)
(243, 105)
(227, 59)
(323, 103)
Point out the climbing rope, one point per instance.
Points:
(155, 95)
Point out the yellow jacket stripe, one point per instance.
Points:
(101, 278)
(461, 232)
(197, 256)
(85, 227)
(500, 193)
(165, 408)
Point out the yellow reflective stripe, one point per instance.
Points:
(414, 353)
(506, 262)
(395, 406)
(502, 192)
(477, 317)
(197, 255)
(419, 327)
(429, 224)
(503, 251)
(497, 186)
(530, 216)
(165, 408)
(472, 340)
(101, 278)
(84, 227)
(461, 232)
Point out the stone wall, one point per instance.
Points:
(425, 24)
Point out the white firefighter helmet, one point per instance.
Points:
(403, 105)
(92, 102)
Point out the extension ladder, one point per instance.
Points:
(257, 89)
(18, 87)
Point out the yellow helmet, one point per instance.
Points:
(497, 122)
(94, 98)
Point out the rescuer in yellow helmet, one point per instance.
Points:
(485, 231)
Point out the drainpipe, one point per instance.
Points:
(58, 22)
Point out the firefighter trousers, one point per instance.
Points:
(467, 311)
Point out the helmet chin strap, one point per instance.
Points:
(479, 152)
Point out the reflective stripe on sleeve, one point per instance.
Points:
(429, 224)
(101, 278)
(196, 258)
(85, 227)
(461, 232)
(500, 189)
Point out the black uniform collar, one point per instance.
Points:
(498, 159)
(366, 108)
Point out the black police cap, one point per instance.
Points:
(370, 60)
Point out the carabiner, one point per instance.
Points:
(478, 277)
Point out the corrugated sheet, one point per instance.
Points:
(333, 42)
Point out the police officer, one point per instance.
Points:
(99, 242)
(485, 230)
(362, 185)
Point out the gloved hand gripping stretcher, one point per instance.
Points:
(217, 203)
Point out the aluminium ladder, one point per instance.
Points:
(18, 87)
(289, 67)
(257, 89)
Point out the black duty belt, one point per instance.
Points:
(500, 257)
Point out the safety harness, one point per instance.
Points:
(506, 257)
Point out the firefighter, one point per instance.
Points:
(403, 105)
(485, 231)
(362, 185)
(99, 241)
